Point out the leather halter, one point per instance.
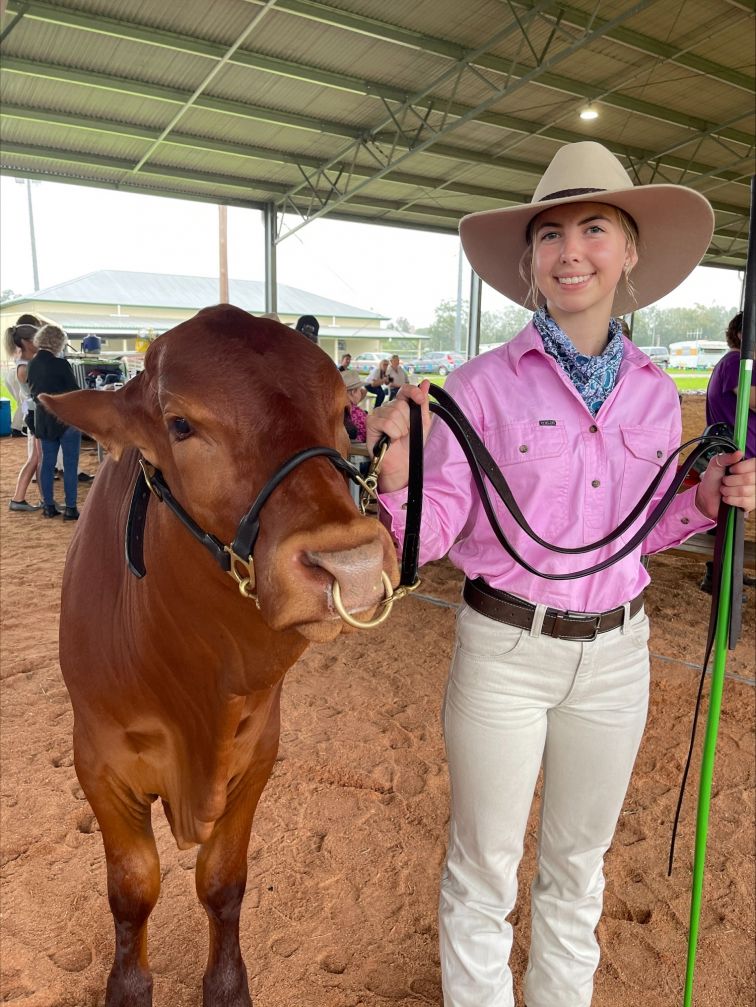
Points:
(230, 558)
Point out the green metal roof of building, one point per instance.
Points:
(165, 290)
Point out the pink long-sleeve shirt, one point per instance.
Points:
(574, 476)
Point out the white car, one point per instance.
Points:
(659, 355)
(367, 361)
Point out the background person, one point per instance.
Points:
(721, 405)
(309, 326)
(396, 376)
(17, 419)
(355, 417)
(377, 381)
(722, 390)
(531, 684)
(50, 373)
(346, 360)
(19, 344)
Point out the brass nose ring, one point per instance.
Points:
(387, 604)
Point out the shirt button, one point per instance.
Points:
(684, 520)
(523, 448)
(596, 483)
(659, 454)
(593, 428)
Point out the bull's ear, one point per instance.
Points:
(115, 419)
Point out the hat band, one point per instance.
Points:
(565, 193)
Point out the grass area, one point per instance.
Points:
(6, 394)
(689, 381)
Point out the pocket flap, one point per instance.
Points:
(647, 443)
(527, 442)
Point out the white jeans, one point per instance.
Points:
(514, 701)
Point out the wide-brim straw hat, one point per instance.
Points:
(675, 225)
(352, 380)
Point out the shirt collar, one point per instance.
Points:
(529, 340)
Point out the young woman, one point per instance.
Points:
(552, 673)
(51, 373)
(19, 345)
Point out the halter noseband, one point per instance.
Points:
(235, 559)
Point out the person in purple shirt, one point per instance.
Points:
(722, 391)
(552, 674)
(721, 403)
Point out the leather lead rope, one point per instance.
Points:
(483, 466)
(411, 545)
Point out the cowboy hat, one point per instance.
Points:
(352, 380)
(675, 225)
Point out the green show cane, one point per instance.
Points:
(748, 346)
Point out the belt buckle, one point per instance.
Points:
(582, 617)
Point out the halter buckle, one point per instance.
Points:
(369, 483)
(148, 471)
(245, 580)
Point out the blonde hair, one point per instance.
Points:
(18, 334)
(51, 338)
(526, 266)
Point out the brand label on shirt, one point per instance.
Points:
(547, 423)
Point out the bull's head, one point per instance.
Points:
(223, 401)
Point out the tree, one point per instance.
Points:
(672, 325)
(402, 324)
(7, 295)
(495, 326)
(442, 328)
(501, 326)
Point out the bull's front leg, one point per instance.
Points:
(133, 888)
(221, 878)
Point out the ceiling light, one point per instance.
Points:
(589, 112)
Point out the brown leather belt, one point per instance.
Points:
(514, 611)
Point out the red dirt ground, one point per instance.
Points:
(350, 834)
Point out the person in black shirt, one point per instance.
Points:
(48, 372)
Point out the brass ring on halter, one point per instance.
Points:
(350, 620)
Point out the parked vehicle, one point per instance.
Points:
(436, 362)
(365, 362)
(697, 354)
(659, 355)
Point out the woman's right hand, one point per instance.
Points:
(393, 420)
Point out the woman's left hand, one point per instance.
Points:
(738, 488)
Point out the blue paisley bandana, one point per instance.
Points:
(593, 377)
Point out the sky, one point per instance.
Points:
(393, 271)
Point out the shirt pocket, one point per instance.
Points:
(535, 462)
(645, 451)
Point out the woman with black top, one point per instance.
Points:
(48, 372)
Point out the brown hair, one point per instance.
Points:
(527, 270)
(734, 332)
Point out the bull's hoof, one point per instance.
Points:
(129, 988)
(226, 988)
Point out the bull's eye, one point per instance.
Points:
(181, 428)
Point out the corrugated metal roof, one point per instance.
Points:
(165, 290)
(312, 81)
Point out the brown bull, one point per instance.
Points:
(175, 678)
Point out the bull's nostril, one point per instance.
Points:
(358, 572)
